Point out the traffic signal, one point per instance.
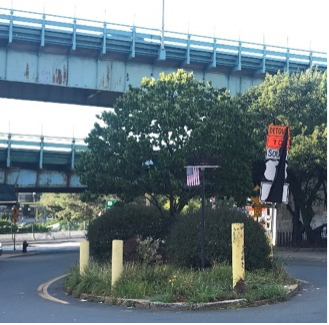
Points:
(14, 214)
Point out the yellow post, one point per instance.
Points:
(238, 266)
(84, 255)
(117, 260)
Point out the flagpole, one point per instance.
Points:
(199, 165)
(202, 222)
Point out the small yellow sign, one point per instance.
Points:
(257, 211)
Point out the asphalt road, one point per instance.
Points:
(20, 302)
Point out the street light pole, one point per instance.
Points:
(162, 29)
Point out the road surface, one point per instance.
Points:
(20, 302)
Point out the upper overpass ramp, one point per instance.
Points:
(69, 60)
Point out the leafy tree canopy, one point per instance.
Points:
(165, 122)
(70, 207)
(298, 100)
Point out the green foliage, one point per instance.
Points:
(70, 207)
(183, 246)
(298, 100)
(167, 121)
(5, 227)
(95, 280)
(168, 283)
(35, 227)
(5, 216)
(227, 202)
(148, 250)
(124, 223)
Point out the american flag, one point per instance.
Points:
(192, 174)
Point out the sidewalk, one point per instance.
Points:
(43, 237)
(41, 247)
(305, 254)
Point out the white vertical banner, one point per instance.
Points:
(274, 211)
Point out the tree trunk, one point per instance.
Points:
(307, 215)
(298, 198)
(297, 227)
(172, 209)
(310, 234)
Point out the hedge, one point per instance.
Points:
(124, 223)
(183, 245)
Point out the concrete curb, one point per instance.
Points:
(17, 254)
(311, 254)
(293, 289)
(147, 304)
(294, 256)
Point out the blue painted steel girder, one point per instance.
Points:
(70, 60)
(31, 180)
(122, 41)
(33, 163)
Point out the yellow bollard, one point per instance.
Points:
(117, 260)
(84, 255)
(238, 266)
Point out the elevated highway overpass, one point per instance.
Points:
(40, 163)
(69, 60)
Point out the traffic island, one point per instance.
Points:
(171, 287)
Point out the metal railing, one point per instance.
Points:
(43, 144)
(131, 39)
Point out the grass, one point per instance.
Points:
(168, 283)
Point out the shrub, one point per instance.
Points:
(148, 250)
(124, 223)
(183, 245)
(5, 227)
(36, 227)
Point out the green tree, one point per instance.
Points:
(298, 100)
(166, 121)
(70, 207)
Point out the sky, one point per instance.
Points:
(300, 24)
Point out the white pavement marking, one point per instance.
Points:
(302, 281)
(43, 290)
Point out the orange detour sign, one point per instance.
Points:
(277, 130)
(275, 135)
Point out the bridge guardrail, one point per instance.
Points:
(43, 145)
(41, 142)
(137, 35)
